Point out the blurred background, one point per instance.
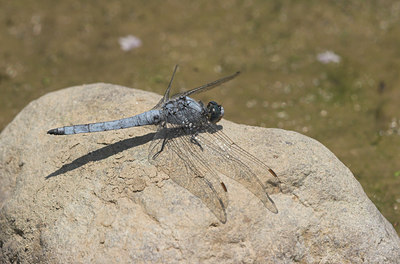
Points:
(326, 69)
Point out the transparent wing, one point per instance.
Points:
(231, 160)
(166, 94)
(192, 156)
(199, 89)
(207, 86)
(173, 152)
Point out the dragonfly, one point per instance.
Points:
(191, 148)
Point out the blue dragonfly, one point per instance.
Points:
(191, 148)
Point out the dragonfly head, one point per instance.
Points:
(215, 112)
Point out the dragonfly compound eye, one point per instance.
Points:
(215, 112)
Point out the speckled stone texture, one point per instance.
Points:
(105, 203)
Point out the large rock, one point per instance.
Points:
(105, 203)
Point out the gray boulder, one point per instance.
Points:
(103, 202)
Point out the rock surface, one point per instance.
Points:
(104, 202)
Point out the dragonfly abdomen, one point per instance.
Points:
(151, 117)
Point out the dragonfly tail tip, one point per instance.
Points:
(55, 131)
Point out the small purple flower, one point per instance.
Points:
(328, 57)
(129, 42)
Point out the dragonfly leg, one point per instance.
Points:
(161, 150)
(195, 141)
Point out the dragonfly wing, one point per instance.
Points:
(207, 86)
(236, 163)
(167, 91)
(174, 153)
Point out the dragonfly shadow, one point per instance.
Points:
(103, 153)
(115, 148)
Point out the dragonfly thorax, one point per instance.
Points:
(185, 111)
